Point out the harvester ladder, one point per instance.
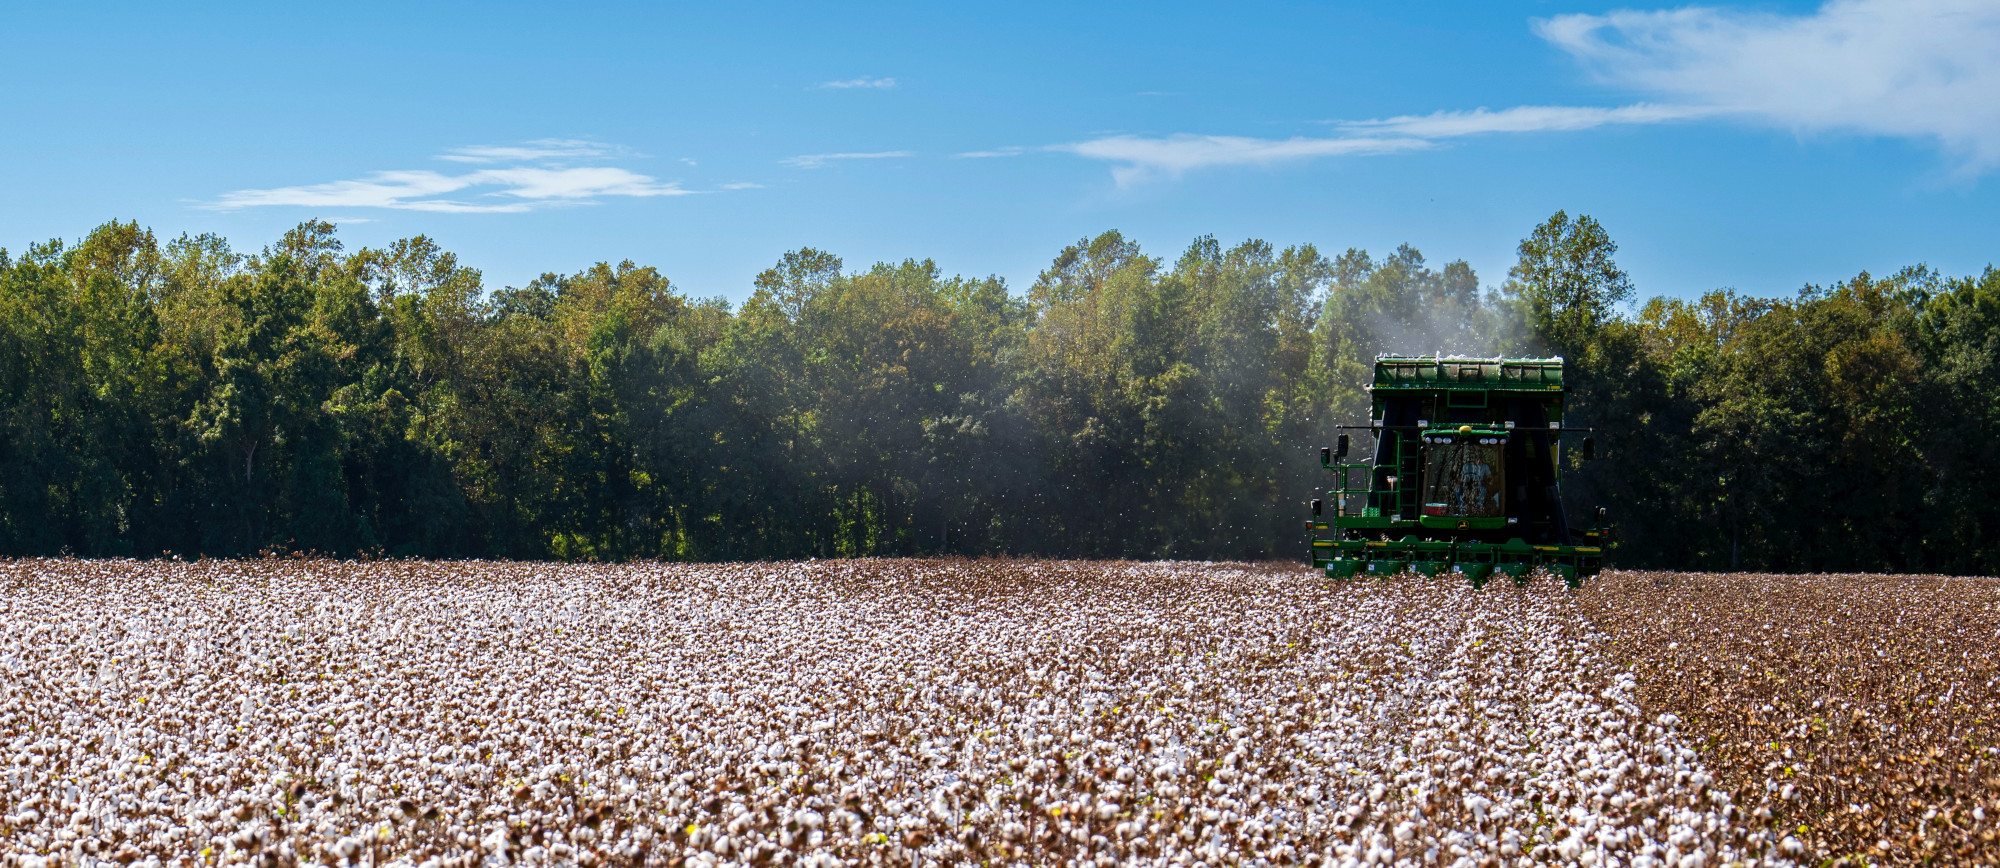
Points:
(1408, 484)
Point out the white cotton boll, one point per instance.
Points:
(476, 659)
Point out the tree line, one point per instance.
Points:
(186, 398)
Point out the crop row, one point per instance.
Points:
(848, 713)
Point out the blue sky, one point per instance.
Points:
(1761, 147)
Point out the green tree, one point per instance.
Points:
(1569, 281)
(182, 397)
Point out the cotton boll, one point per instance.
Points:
(700, 692)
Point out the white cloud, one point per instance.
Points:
(1924, 69)
(378, 190)
(498, 190)
(1525, 119)
(1147, 158)
(816, 161)
(1009, 151)
(539, 149)
(742, 185)
(862, 82)
(1142, 158)
(580, 183)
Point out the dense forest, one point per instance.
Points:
(184, 398)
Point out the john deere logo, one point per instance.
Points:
(1461, 525)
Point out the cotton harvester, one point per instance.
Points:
(1465, 478)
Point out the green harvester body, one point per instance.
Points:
(1466, 477)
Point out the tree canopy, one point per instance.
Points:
(182, 397)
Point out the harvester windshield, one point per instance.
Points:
(1464, 477)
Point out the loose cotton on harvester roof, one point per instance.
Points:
(849, 713)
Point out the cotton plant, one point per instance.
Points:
(852, 713)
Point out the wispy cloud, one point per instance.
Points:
(1009, 151)
(537, 150)
(1923, 69)
(742, 185)
(1525, 119)
(501, 191)
(406, 190)
(573, 184)
(817, 161)
(1141, 158)
(862, 82)
(497, 190)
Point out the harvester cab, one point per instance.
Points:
(1466, 476)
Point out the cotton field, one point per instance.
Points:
(844, 713)
(1865, 709)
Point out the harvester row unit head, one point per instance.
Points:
(1466, 476)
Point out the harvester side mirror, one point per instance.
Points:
(1589, 448)
(1316, 506)
(1340, 447)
